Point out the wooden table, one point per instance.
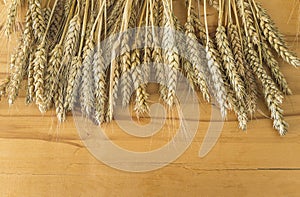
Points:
(39, 157)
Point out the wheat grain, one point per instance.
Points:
(214, 3)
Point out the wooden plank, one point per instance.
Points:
(191, 182)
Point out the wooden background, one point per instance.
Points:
(39, 157)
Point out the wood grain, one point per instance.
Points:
(39, 157)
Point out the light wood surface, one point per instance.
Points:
(39, 157)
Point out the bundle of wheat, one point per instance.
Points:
(61, 56)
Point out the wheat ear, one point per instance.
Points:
(40, 64)
(53, 71)
(72, 39)
(38, 22)
(11, 18)
(141, 105)
(3, 86)
(275, 39)
(272, 95)
(214, 67)
(59, 96)
(100, 86)
(20, 62)
(195, 74)
(229, 63)
(30, 80)
(274, 68)
(236, 46)
(245, 13)
(87, 83)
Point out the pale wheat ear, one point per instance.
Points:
(11, 17)
(272, 35)
(3, 86)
